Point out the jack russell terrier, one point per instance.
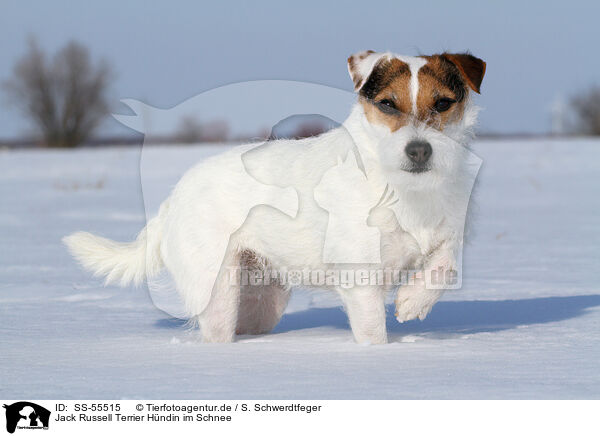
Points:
(387, 190)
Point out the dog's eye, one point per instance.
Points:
(443, 104)
(387, 106)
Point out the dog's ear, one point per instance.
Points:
(360, 66)
(471, 68)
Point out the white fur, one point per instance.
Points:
(259, 200)
(414, 64)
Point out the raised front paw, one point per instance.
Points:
(415, 304)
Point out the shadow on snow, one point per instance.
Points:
(447, 317)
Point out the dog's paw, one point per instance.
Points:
(413, 305)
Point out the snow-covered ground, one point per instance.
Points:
(525, 325)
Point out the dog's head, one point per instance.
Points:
(418, 111)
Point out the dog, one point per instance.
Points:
(405, 144)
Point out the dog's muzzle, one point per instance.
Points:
(419, 152)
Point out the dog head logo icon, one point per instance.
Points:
(26, 415)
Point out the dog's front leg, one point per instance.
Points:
(365, 307)
(416, 300)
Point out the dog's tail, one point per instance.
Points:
(121, 263)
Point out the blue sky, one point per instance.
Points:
(166, 52)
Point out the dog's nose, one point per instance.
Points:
(418, 151)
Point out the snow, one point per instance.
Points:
(525, 325)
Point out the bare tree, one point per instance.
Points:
(192, 130)
(64, 99)
(189, 131)
(309, 128)
(215, 131)
(302, 126)
(586, 107)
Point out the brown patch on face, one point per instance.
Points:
(471, 68)
(389, 81)
(442, 93)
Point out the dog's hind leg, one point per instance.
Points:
(218, 320)
(261, 308)
(262, 303)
